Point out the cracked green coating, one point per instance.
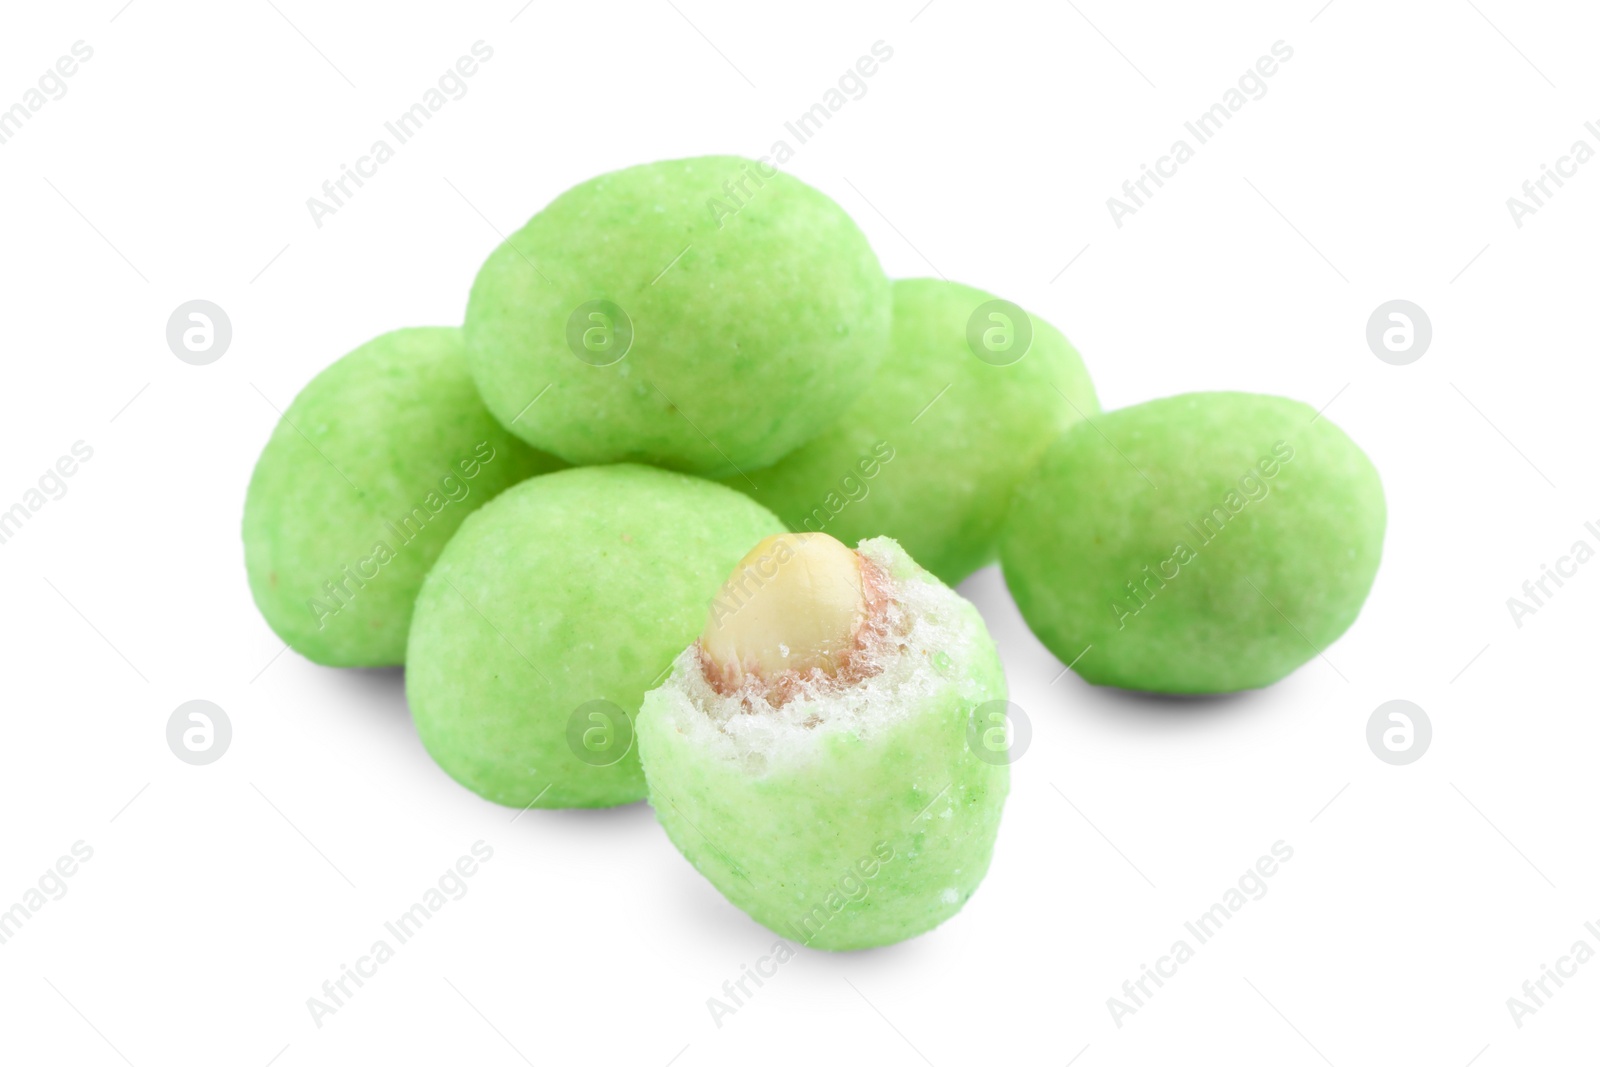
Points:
(758, 312)
(933, 449)
(1249, 549)
(573, 587)
(866, 840)
(369, 472)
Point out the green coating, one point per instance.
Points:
(756, 318)
(1249, 549)
(865, 840)
(574, 587)
(933, 450)
(369, 472)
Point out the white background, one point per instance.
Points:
(220, 898)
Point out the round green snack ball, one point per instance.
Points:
(550, 614)
(705, 315)
(971, 393)
(853, 814)
(369, 472)
(1202, 543)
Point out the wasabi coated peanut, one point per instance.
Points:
(372, 468)
(970, 394)
(704, 314)
(549, 615)
(1198, 544)
(812, 754)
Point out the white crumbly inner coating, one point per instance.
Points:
(930, 634)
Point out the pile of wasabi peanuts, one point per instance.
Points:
(677, 513)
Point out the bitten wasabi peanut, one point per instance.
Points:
(810, 754)
(1198, 544)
